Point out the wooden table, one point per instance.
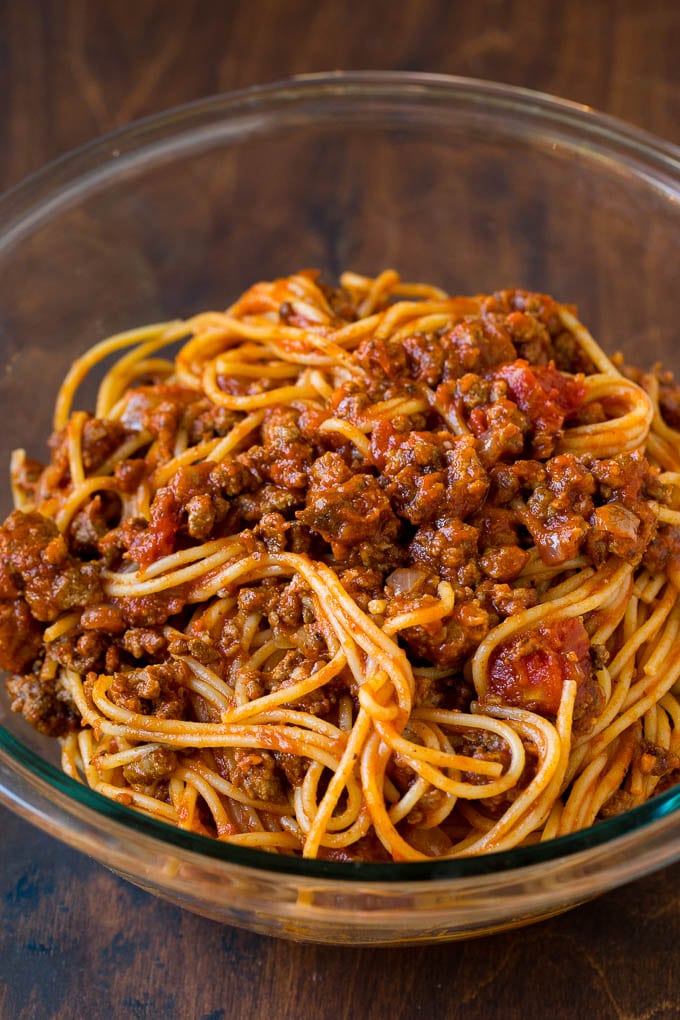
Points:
(76, 941)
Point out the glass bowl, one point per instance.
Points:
(470, 185)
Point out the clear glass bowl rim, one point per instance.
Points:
(41, 194)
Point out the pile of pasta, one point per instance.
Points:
(534, 776)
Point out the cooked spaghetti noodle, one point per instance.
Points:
(369, 573)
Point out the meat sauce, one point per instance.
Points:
(428, 503)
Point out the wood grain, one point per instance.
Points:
(74, 940)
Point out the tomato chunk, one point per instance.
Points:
(530, 669)
(546, 396)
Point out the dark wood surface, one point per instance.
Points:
(76, 941)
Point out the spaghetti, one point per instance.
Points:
(368, 573)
